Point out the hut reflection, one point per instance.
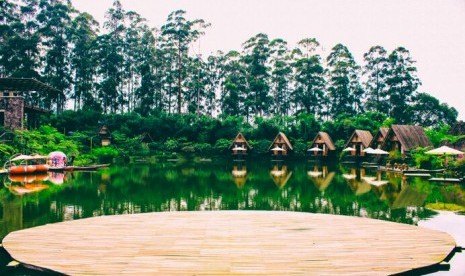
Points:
(280, 175)
(239, 174)
(355, 180)
(320, 177)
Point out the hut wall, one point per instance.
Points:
(13, 109)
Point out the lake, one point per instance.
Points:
(221, 184)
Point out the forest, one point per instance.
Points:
(124, 66)
(144, 81)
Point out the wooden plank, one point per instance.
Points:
(229, 242)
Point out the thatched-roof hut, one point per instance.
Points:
(324, 142)
(280, 145)
(359, 141)
(146, 138)
(239, 145)
(404, 138)
(379, 137)
(105, 135)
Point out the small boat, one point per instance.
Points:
(26, 164)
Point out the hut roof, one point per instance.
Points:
(383, 131)
(327, 140)
(364, 135)
(25, 85)
(286, 141)
(239, 136)
(146, 138)
(409, 136)
(104, 130)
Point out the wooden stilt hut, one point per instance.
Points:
(105, 135)
(404, 138)
(322, 145)
(239, 145)
(379, 137)
(359, 141)
(280, 145)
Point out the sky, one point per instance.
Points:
(432, 30)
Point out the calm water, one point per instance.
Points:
(225, 185)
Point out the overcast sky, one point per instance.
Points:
(433, 30)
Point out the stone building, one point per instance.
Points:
(16, 108)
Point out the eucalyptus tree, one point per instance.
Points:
(255, 56)
(54, 22)
(19, 47)
(8, 19)
(309, 91)
(182, 32)
(111, 60)
(82, 34)
(167, 55)
(149, 94)
(345, 90)
(401, 84)
(376, 70)
(214, 76)
(233, 85)
(280, 77)
(132, 55)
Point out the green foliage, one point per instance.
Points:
(106, 154)
(260, 146)
(222, 145)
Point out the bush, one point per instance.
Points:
(222, 145)
(105, 154)
(260, 146)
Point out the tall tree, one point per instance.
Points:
(111, 61)
(83, 33)
(233, 85)
(19, 47)
(402, 84)
(345, 89)
(55, 21)
(182, 32)
(280, 77)
(376, 69)
(255, 58)
(309, 91)
(148, 94)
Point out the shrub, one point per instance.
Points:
(105, 154)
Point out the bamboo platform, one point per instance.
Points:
(229, 242)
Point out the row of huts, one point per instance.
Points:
(398, 137)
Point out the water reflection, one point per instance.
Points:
(239, 174)
(220, 185)
(320, 177)
(280, 174)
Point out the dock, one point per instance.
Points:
(229, 242)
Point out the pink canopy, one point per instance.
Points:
(58, 159)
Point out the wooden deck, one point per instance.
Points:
(229, 242)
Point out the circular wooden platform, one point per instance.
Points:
(228, 242)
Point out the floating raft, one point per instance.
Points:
(447, 179)
(229, 242)
(79, 168)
